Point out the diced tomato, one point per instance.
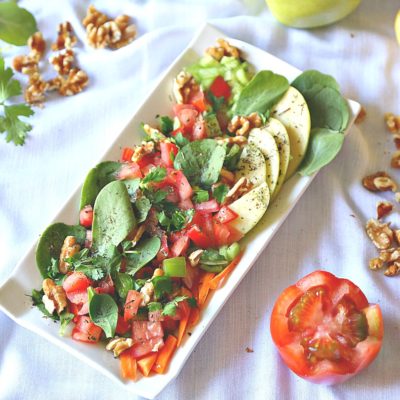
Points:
(156, 316)
(78, 296)
(85, 308)
(153, 158)
(129, 171)
(199, 238)
(225, 214)
(172, 196)
(163, 253)
(86, 331)
(147, 337)
(225, 234)
(220, 88)
(168, 152)
(132, 303)
(187, 115)
(207, 207)
(122, 326)
(182, 184)
(199, 130)
(169, 324)
(208, 226)
(74, 309)
(180, 246)
(106, 286)
(86, 216)
(140, 349)
(75, 282)
(198, 100)
(186, 204)
(127, 153)
(324, 328)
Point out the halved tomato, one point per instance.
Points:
(325, 329)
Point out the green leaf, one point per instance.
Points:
(103, 311)
(113, 217)
(37, 302)
(176, 220)
(220, 192)
(154, 306)
(200, 195)
(142, 254)
(98, 177)
(166, 125)
(123, 283)
(142, 208)
(323, 147)
(261, 93)
(51, 241)
(201, 161)
(16, 24)
(171, 307)
(132, 186)
(180, 140)
(155, 175)
(65, 319)
(306, 81)
(162, 286)
(16, 129)
(232, 157)
(216, 102)
(8, 87)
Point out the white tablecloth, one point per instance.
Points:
(325, 230)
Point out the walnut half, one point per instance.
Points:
(380, 234)
(118, 345)
(379, 182)
(54, 295)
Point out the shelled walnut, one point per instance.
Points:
(66, 38)
(223, 49)
(379, 182)
(241, 126)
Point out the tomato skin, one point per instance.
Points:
(225, 234)
(86, 331)
(122, 326)
(207, 207)
(199, 130)
(77, 281)
(180, 246)
(187, 115)
(288, 342)
(198, 100)
(86, 216)
(132, 303)
(129, 171)
(220, 88)
(225, 215)
(166, 150)
(199, 238)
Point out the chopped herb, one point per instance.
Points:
(155, 175)
(200, 195)
(154, 306)
(176, 220)
(65, 319)
(166, 125)
(180, 140)
(216, 102)
(220, 192)
(162, 286)
(171, 307)
(232, 157)
(38, 302)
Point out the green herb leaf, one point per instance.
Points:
(103, 311)
(200, 195)
(171, 307)
(142, 254)
(180, 140)
(16, 24)
(154, 306)
(308, 79)
(166, 125)
(162, 286)
(261, 93)
(232, 157)
(123, 283)
(155, 175)
(142, 208)
(216, 102)
(65, 319)
(220, 192)
(177, 220)
(37, 302)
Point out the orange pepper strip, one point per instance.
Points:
(194, 317)
(204, 287)
(218, 279)
(165, 354)
(145, 364)
(128, 365)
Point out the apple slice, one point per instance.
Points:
(251, 165)
(250, 208)
(292, 111)
(263, 139)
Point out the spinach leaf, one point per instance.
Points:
(16, 24)
(97, 178)
(162, 286)
(113, 217)
(261, 93)
(103, 311)
(142, 207)
(323, 148)
(132, 185)
(220, 192)
(142, 254)
(123, 283)
(50, 243)
(306, 81)
(65, 319)
(201, 161)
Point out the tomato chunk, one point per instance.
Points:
(86, 331)
(168, 152)
(220, 88)
(77, 281)
(324, 328)
(207, 207)
(129, 171)
(199, 238)
(86, 216)
(132, 303)
(225, 215)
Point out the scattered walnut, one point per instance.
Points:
(223, 49)
(118, 345)
(241, 126)
(390, 255)
(66, 38)
(56, 294)
(393, 269)
(395, 161)
(140, 151)
(95, 17)
(380, 234)
(69, 248)
(37, 45)
(240, 140)
(379, 182)
(35, 91)
(241, 187)
(128, 32)
(194, 257)
(392, 123)
(383, 208)
(63, 62)
(147, 292)
(375, 263)
(75, 82)
(396, 140)
(361, 116)
(183, 86)
(25, 64)
(397, 235)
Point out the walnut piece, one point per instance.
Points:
(383, 208)
(147, 292)
(54, 294)
(241, 187)
(375, 263)
(63, 62)
(390, 255)
(380, 234)
(241, 126)
(66, 38)
(240, 140)
(223, 49)
(395, 161)
(25, 64)
(397, 235)
(392, 123)
(68, 249)
(37, 46)
(194, 257)
(379, 182)
(74, 83)
(227, 175)
(393, 269)
(118, 345)
(140, 151)
(183, 85)
(35, 91)
(361, 116)
(396, 140)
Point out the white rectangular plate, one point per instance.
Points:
(15, 303)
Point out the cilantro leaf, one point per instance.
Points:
(8, 87)
(220, 192)
(200, 195)
(180, 140)
(38, 302)
(171, 307)
(175, 220)
(154, 306)
(65, 319)
(162, 286)
(155, 175)
(166, 125)
(216, 102)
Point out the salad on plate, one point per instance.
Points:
(160, 229)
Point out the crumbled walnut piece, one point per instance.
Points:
(147, 292)
(35, 91)
(66, 38)
(241, 126)
(68, 249)
(241, 187)
(128, 32)
(63, 62)
(361, 116)
(95, 17)
(397, 235)
(380, 234)
(375, 263)
(37, 46)
(194, 257)
(383, 208)
(396, 140)
(75, 82)
(395, 161)
(118, 345)
(55, 83)
(390, 255)
(25, 64)
(56, 294)
(223, 49)
(393, 269)
(240, 140)
(183, 85)
(227, 175)
(140, 151)
(392, 123)
(379, 182)
(153, 133)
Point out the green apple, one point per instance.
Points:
(311, 13)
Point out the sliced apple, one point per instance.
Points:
(250, 208)
(251, 165)
(265, 142)
(292, 111)
(279, 133)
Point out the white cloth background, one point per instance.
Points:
(70, 134)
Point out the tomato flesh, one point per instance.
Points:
(324, 328)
